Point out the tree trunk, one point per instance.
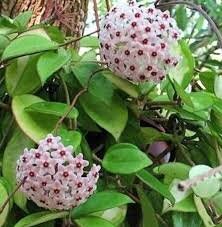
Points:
(69, 15)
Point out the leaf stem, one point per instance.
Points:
(200, 10)
(11, 195)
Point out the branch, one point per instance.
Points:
(77, 39)
(96, 13)
(107, 5)
(11, 195)
(200, 10)
(187, 184)
(75, 99)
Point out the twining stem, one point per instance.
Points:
(200, 10)
(67, 96)
(11, 195)
(75, 99)
(187, 184)
(70, 109)
(77, 39)
(96, 13)
(4, 106)
(107, 5)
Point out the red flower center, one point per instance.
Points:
(62, 153)
(134, 24)
(65, 174)
(78, 165)
(153, 73)
(49, 140)
(79, 185)
(154, 54)
(149, 68)
(133, 36)
(132, 67)
(142, 77)
(31, 174)
(37, 155)
(127, 52)
(147, 29)
(117, 60)
(145, 41)
(46, 164)
(56, 191)
(137, 15)
(117, 33)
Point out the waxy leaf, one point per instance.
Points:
(92, 221)
(3, 197)
(125, 158)
(101, 201)
(27, 44)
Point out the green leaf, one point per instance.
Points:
(22, 77)
(126, 86)
(53, 108)
(34, 125)
(173, 170)
(155, 184)
(51, 62)
(92, 221)
(6, 25)
(186, 220)
(183, 95)
(72, 138)
(149, 215)
(114, 215)
(21, 21)
(4, 41)
(27, 44)
(183, 199)
(207, 79)
(3, 197)
(41, 217)
(183, 73)
(218, 86)
(14, 149)
(90, 41)
(181, 17)
(150, 135)
(113, 121)
(203, 213)
(206, 188)
(125, 158)
(101, 201)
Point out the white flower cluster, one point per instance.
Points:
(137, 42)
(53, 178)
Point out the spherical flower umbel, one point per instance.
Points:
(137, 43)
(53, 178)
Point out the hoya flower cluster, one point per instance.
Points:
(53, 178)
(137, 42)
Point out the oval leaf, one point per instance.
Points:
(21, 76)
(27, 44)
(124, 85)
(101, 201)
(155, 184)
(14, 149)
(50, 62)
(125, 158)
(92, 221)
(3, 197)
(41, 217)
(53, 108)
(113, 121)
(34, 125)
(149, 215)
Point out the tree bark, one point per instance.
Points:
(69, 15)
